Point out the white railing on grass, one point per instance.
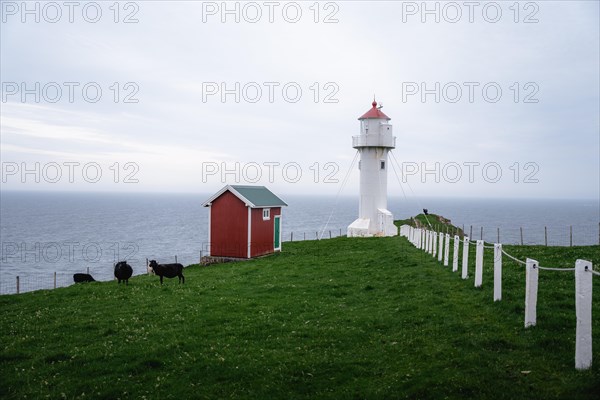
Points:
(441, 247)
(455, 254)
(446, 250)
(583, 310)
(497, 272)
(479, 264)
(531, 288)
(426, 240)
(465, 260)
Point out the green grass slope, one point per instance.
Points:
(336, 319)
(433, 222)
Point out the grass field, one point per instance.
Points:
(340, 319)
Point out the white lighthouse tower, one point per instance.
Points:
(373, 143)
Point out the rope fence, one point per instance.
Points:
(513, 258)
(433, 242)
(555, 269)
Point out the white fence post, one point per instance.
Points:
(428, 246)
(441, 247)
(531, 289)
(479, 263)
(583, 310)
(465, 259)
(455, 255)
(497, 272)
(446, 249)
(434, 243)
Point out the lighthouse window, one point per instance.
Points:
(359, 165)
(266, 214)
(382, 164)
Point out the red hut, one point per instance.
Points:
(244, 222)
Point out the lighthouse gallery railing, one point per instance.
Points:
(375, 140)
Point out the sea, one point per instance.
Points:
(46, 237)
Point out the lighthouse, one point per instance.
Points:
(373, 144)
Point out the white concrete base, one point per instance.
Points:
(364, 227)
(359, 228)
(386, 225)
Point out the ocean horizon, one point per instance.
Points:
(68, 232)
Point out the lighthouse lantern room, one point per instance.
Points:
(373, 144)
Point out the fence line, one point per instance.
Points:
(566, 235)
(583, 270)
(51, 280)
(333, 233)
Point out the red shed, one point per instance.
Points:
(244, 222)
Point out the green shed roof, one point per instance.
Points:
(259, 196)
(254, 196)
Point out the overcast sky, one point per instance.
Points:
(490, 100)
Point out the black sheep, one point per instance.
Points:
(167, 270)
(80, 278)
(123, 271)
